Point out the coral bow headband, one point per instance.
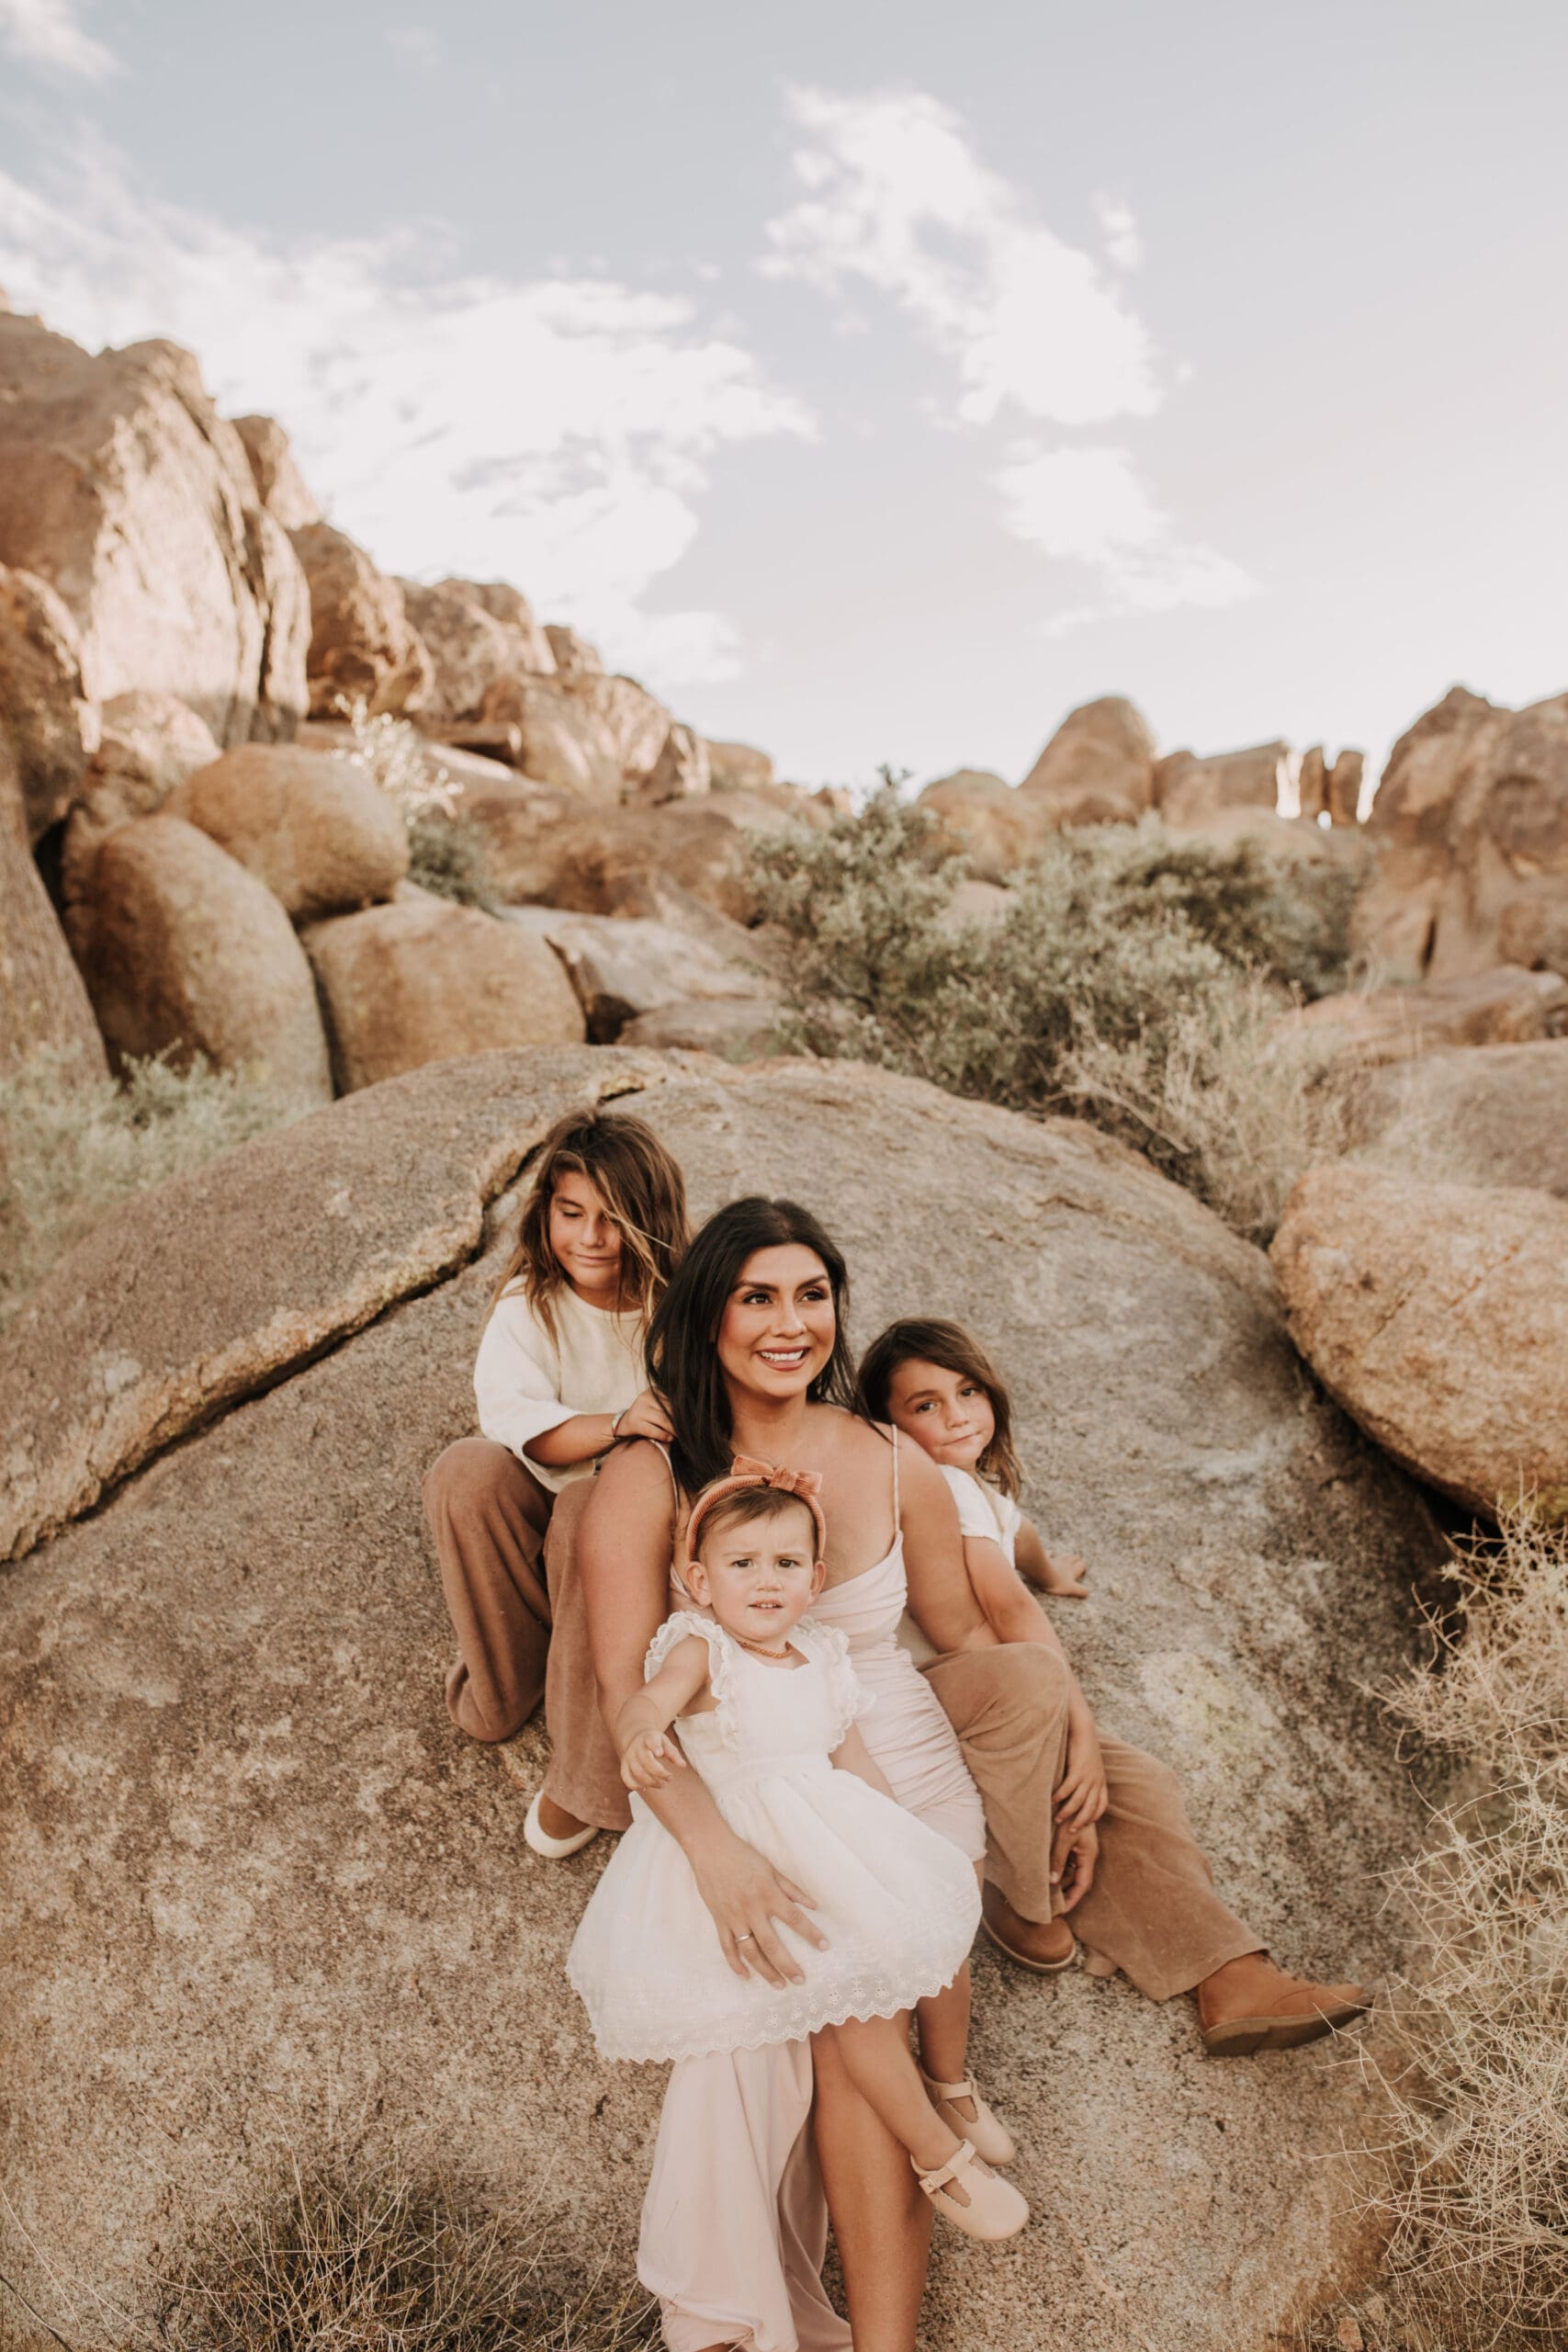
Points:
(747, 1474)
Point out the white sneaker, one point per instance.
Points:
(554, 1849)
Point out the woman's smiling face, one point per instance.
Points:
(779, 1323)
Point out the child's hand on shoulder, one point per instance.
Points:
(647, 1416)
(1064, 1573)
(647, 1762)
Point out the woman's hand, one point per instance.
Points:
(1075, 1857)
(1081, 1794)
(648, 1758)
(746, 1895)
(645, 1416)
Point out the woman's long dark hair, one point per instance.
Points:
(683, 1352)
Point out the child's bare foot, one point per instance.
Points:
(1047, 1946)
(1251, 2004)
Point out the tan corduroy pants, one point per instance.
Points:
(506, 1548)
(507, 1569)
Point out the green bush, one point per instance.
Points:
(73, 1146)
(1132, 979)
(447, 853)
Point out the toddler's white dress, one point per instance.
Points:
(898, 1902)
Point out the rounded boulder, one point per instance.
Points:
(312, 827)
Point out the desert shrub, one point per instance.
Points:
(1132, 980)
(73, 1146)
(1477, 2195)
(447, 853)
(364, 2248)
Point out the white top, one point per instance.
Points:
(984, 1511)
(526, 1383)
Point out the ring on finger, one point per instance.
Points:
(746, 1939)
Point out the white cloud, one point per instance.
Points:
(557, 432)
(1119, 227)
(415, 44)
(46, 33)
(899, 197)
(1087, 505)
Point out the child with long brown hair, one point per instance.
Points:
(560, 1375)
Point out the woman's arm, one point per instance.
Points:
(626, 1539)
(852, 1755)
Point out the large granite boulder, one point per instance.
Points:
(624, 968)
(426, 980)
(1437, 1315)
(43, 1003)
(1190, 789)
(123, 488)
(679, 773)
(535, 645)
(148, 743)
(249, 1863)
(280, 485)
(1483, 1114)
(1471, 824)
(362, 647)
(982, 816)
(1373, 1026)
(136, 1338)
(314, 829)
(574, 656)
(560, 739)
(181, 949)
(737, 767)
(1097, 769)
(48, 730)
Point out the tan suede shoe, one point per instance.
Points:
(1044, 1947)
(1266, 2010)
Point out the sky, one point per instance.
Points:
(876, 380)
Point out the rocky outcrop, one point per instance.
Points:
(574, 656)
(625, 970)
(363, 648)
(476, 635)
(534, 646)
(560, 739)
(181, 949)
(1331, 788)
(42, 1001)
(1508, 1006)
(733, 1028)
(308, 1233)
(1488, 1115)
(1471, 825)
(984, 819)
(245, 1856)
(679, 773)
(48, 730)
(149, 744)
(122, 487)
(279, 483)
(1188, 790)
(1438, 1316)
(314, 829)
(737, 767)
(1097, 769)
(426, 980)
(548, 847)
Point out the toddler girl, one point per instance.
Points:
(560, 1372)
(766, 1701)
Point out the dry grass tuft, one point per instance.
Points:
(360, 2248)
(72, 1147)
(1477, 2192)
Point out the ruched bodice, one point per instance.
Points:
(867, 1607)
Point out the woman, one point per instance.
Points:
(748, 1350)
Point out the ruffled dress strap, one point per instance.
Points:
(722, 1657)
(848, 1696)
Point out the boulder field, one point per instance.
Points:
(250, 1866)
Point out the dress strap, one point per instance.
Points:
(896, 1509)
